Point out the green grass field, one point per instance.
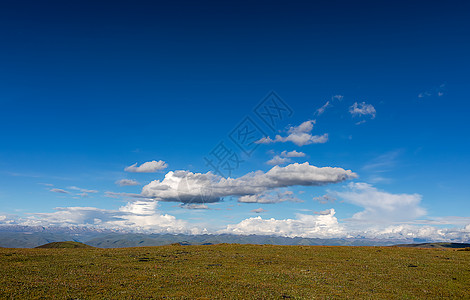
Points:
(234, 272)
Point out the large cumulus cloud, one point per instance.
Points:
(324, 225)
(185, 186)
(380, 206)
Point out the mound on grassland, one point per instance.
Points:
(67, 244)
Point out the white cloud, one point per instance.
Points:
(360, 122)
(299, 135)
(185, 186)
(328, 103)
(258, 210)
(292, 154)
(325, 199)
(127, 182)
(448, 220)
(136, 216)
(277, 160)
(143, 216)
(306, 126)
(194, 206)
(323, 212)
(362, 109)
(380, 206)
(428, 233)
(147, 167)
(125, 195)
(425, 94)
(378, 166)
(324, 224)
(269, 197)
(60, 191)
(337, 97)
(284, 158)
(82, 190)
(66, 216)
(265, 140)
(313, 226)
(384, 162)
(322, 109)
(378, 179)
(436, 91)
(6, 220)
(302, 139)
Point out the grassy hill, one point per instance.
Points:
(435, 245)
(231, 271)
(67, 244)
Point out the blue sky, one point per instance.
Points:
(88, 89)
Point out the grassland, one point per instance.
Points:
(235, 272)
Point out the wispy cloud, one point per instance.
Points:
(292, 154)
(147, 167)
(60, 191)
(362, 110)
(378, 166)
(284, 157)
(127, 182)
(299, 135)
(337, 97)
(383, 162)
(269, 197)
(323, 212)
(379, 179)
(424, 94)
(82, 190)
(327, 104)
(258, 210)
(125, 195)
(325, 199)
(277, 160)
(194, 206)
(322, 109)
(437, 91)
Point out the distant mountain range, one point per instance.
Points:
(55, 229)
(435, 245)
(13, 236)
